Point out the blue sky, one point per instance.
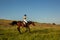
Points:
(45, 11)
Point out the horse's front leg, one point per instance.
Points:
(18, 28)
(27, 29)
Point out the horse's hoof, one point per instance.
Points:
(29, 31)
(21, 33)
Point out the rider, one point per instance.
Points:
(24, 19)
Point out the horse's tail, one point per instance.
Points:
(13, 23)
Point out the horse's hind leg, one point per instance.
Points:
(18, 28)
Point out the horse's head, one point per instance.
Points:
(31, 22)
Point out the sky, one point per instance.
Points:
(44, 11)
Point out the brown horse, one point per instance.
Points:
(21, 24)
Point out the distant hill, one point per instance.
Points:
(5, 22)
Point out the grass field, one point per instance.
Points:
(41, 31)
(11, 33)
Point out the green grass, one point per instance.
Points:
(11, 33)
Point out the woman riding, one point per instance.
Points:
(24, 19)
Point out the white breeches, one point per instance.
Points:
(25, 20)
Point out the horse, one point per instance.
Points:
(21, 24)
